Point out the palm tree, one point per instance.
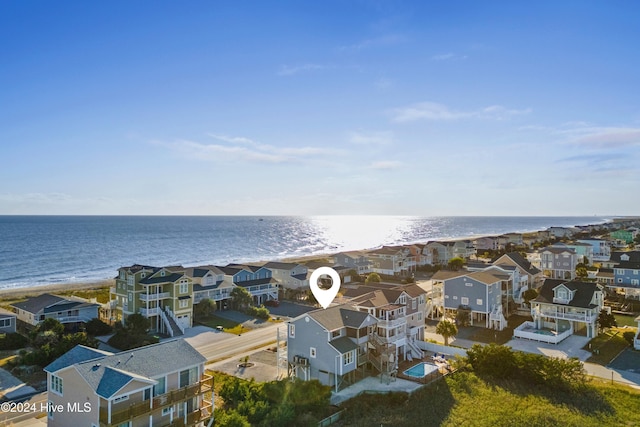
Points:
(447, 329)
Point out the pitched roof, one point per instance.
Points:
(634, 256)
(35, 304)
(144, 363)
(77, 354)
(629, 265)
(150, 280)
(343, 345)
(583, 292)
(522, 263)
(338, 317)
(558, 249)
(446, 274)
(488, 277)
(281, 265)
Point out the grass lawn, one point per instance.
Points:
(489, 336)
(463, 399)
(229, 325)
(623, 320)
(606, 346)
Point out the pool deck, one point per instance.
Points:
(374, 385)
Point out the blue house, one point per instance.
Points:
(257, 280)
(626, 279)
(481, 293)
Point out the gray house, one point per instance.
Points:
(328, 345)
(65, 310)
(558, 262)
(356, 260)
(480, 292)
(7, 322)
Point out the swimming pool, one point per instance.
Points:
(420, 370)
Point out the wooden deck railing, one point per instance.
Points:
(141, 408)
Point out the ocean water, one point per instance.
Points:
(37, 250)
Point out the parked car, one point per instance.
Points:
(272, 303)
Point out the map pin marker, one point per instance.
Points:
(324, 296)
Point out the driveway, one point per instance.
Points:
(11, 388)
(570, 347)
(290, 309)
(246, 320)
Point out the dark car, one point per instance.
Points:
(272, 303)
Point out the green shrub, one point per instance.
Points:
(13, 341)
(97, 327)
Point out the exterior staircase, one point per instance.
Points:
(383, 357)
(415, 351)
(172, 326)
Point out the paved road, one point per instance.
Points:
(10, 419)
(220, 346)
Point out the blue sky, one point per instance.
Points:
(332, 107)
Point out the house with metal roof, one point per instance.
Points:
(161, 384)
(69, 311)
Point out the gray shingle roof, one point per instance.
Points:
(343, 345)
(77, 354)
(35, 304)
(338, 317)
(106, 374)
(582, 297)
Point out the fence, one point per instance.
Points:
(437, 348)
(331, 419)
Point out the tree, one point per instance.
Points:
(629, 336)
(241, 298)
(373, 277)
(447, 329)
(529, 295)
(136, 324)
(97, 327)
(355, 277)
(455, 263)
(204, 308)
(581, 271)
(606, 320)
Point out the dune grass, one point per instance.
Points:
(465, 399)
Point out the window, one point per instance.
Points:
(130, 296)
(184, 303)
(635, 282)
(162, 273)
(335, 334)
(5, 323)
(121, 398)
(464, 301)
(402, 299)
(455, 297)
(130, 280)
(635, 272)
(166, 411)
(479, 301)
(469, 284)
(312, 352)
(348, 358)
(619, 280)
(184, 287)
(414, 303)
(420, 315)
(56, 384)
(160, 388)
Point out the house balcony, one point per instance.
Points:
(146, 407)
(112, 290)
(561, 300)
(155, 296)
(581, 317)
(146, 312)
(392, 323)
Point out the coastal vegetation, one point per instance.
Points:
(285, 402)
(447, 329)
(606, 346)
(133, 334)
(495, 386)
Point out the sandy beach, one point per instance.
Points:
(17, 293)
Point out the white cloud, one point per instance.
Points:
(290, 70)
(448, 57)
(371, 138)
(440, 112)
(386, 40)
(605, 137)
(385, 165)
(241, 148)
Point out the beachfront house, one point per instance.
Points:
(626, 279)
(624, 236)
(390, 261)
(601, 249)
(72, 312)
(258, 281)
(289, 275)
(355, 260)
(490, 243)
(561, 232)
(571, 306)
(438, 253)
(331, 345)
(479, 293)
(164, 295)
(7, 322)
(209, 283)
(558, 262)
(156, 385)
